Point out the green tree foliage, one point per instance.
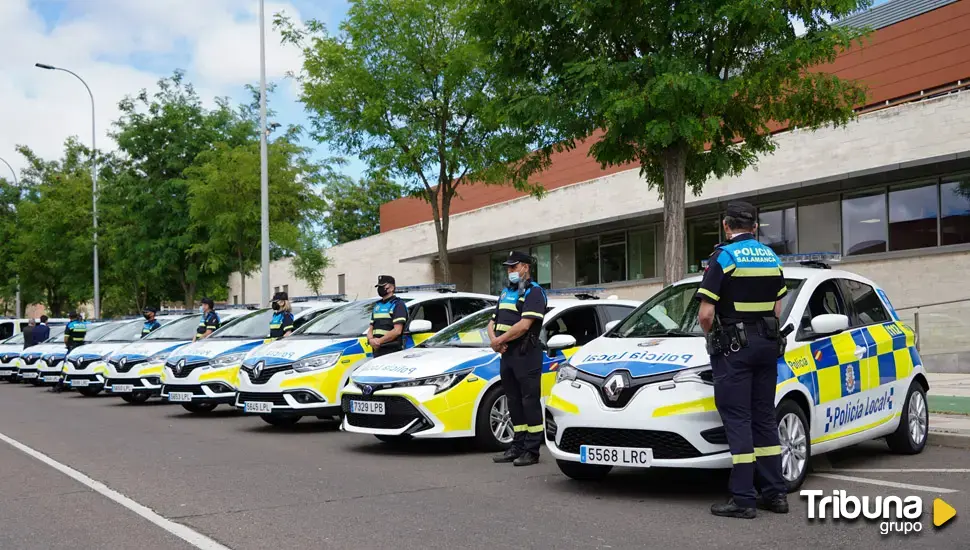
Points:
(309, 262)
(406, 89)
(685, 89)
(354, 207)
(9, 202)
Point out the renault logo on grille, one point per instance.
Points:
(615, 385)
(123, 361)
(179, 365)
(258, 369)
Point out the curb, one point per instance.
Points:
(948, 439)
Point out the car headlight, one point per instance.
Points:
(566, 372)
(441, 382)
(698, 375)
(317, 362)
(159, 357)
(227, 359)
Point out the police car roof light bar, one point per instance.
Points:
(581, 293)
(437, 287)
(321, 297)
(819, 260)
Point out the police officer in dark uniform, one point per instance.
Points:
(210, 320)
(387, 319)
(740, 297)
(514, 332)
(150, 324)
(282, 322)
(75, 331)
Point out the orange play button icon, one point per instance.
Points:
(942, 512)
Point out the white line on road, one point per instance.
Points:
(925, 488)
(902, 470)
(188, 535)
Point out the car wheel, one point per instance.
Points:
(89, 391)
(137, 397)
(796, 443)
(199, 408)
(911, 435)
(493, 425)
(583, 472)
(393, 439)
(280, 421)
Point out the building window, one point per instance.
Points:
(543, 267)
(276, 289)
(286, 289)
(613, 258)
(864, 224)
(702, 237)
(778, 230)
(819, 227)
(497, 274)
(955, 211)
(643, 254)
(235, 299)
(588, 261)
(912, 217)
(342, 283)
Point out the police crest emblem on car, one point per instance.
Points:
(649, 343)
(849, 378)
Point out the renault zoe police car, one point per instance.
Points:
(205, 374)
(10, 351)
(303, 374)
(449, 386)
(642, 395)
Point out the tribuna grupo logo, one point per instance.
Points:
(900, 515)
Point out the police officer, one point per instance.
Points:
(514, 332)
(387, 319)
(282, 322)
(75, 331)
(740, 303)
(150, 324)
(210, 320)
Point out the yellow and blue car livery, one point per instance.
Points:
(50, 364)
(656, 392)
(206, 371)
(84, 366)
(138, 367)
(28, 370)
(9, 356)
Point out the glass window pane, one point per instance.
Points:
(643, 254)
(818, 228)
(777, 229)
(543, 256)
(868, 308)
(955, 211)
(864, 225)
(702, 237)
(613, 238)
(912, 218)
(498, 278)
(613, 263)
(587, 261)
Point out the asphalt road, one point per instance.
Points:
(249, 486)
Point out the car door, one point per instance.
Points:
(463, 307)
(434, 310)
(582, 323)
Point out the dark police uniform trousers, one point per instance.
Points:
(521, 364)
(744, 279)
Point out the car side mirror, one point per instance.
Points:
(829, 324)
(609, 326)
(418, 326)
(561, 341)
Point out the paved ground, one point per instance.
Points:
(248, 486)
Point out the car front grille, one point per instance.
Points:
(274, 398)
(125, 367)
(665, 445)
(398, 412)
(186, 369)
(196, 389)
(89, 377)
(266, 373)
(30, 359)
(82, 364)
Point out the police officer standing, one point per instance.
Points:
(740, 304)
(210, 320)
(74, 334)
(282, 322)
(150, 324)
(387, 319)
(514, 332)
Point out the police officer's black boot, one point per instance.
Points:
(732, 510)
(509, 455)
(527, 459)
(777, 504)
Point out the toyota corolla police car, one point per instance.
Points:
(85, 366)
(642, 395)
(303, 374)
(449, 386)
(9, 356)
(205, 374)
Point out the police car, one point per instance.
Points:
(642, 395)
(10, 350)
(449, 386)
(35, 356)
(134, 372)
(85, 366)
(303, 374)
(205, 374)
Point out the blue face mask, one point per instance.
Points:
(202, 309)
(514, 277)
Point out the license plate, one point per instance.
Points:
(122, 388)
(52, 378)
(367, 407)
(180, 396)
(6, 372)
(616, 456)
(80, 383)
(28, 375)
(258, 407)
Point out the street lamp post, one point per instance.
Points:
(94, 185)
(17, 185)
(263, 161)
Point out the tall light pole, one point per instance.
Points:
(17, 185)
(263, 161)
(94, 186)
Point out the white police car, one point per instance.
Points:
(205, 374)
(302, 375)
(642, 395)
(10, 355)
(449, 386)
(47, 374)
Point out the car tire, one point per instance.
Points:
(136, 398)
(796, 442)
(485, 437)
(89, 391)
(280, 421)
(583, 472)
(199, 408)
(393, 439)
(914, 423)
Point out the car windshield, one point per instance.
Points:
(673, 312)
(97, 331)
(57, 334)
(18, 338)
(252, 325)
(470, 332)
(128, 331)
(179, 329)
(349, 320)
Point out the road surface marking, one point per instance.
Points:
(925, 488)
(900, 470)
(188, 535)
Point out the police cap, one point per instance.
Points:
(208, 302)
(72, 315)
(385, 280)
(516, 257)
(281, 297)
(740, 210)
(149, 309)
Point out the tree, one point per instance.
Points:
(355, 207)
(685, 89)
(406, 89)
(309, 262)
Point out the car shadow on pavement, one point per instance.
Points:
(149, 403)
(218, 413)
(303, 427)
(664, 483)
(427, 447)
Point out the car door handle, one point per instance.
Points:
(860, 352)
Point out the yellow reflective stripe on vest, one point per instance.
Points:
(503, 328)
(382, 316)
(506, 305)
(728, 269)
(767, 451)
(379, 332)
(754, 306)
(400, 320)
(746, 458)
(757, 272)
(708, 293)
(783, 290)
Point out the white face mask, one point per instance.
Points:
(202, 309)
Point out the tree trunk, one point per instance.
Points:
(242, 282)
(189, 290)
(675, 191)
(441, 232)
